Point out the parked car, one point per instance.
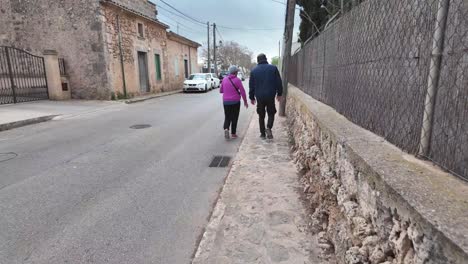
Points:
(223, 74)
(200, 82)
(240, 75)
(216, 81)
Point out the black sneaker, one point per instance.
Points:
(262, 136)
(269, 134)
(226, 134)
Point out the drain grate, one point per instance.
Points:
(140, 126)
(220, 162)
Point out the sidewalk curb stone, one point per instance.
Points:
(26, 122)
(154, 96)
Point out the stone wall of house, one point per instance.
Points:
(143, 7)
(178, 53)
(367, 203)
(155, 41)
(73, 28)
(7, 28)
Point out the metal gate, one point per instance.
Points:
(22, 76)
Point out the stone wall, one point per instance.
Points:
(369, 202)
(7, 29)
(73, 28)
(155, 41)
(179, 52)
(143, 7)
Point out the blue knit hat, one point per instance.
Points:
(233, 69)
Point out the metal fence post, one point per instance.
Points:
(288, 35)
(323, 68)
(433, 78)
(45, 75)
(10, 73)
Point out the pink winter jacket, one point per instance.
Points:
(229, 92)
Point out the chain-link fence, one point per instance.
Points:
(400, 69)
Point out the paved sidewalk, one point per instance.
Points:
(15, 115)
(259, 217)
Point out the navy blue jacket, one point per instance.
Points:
(265, 82)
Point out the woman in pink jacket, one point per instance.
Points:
(232, 90)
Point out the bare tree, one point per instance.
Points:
(230, 53)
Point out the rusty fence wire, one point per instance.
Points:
(400, 69)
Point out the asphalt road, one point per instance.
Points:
(88, 189)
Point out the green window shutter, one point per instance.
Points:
(157, 61)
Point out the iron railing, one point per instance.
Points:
(62, 68)
(22, 76)
(399, 69)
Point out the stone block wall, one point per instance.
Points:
(143, 7)
(367, 204)
(153, 42)
(6, 23)
(72, 28)
(179, 52)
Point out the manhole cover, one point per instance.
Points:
(220, 162)
(140, 126)
(7, 156)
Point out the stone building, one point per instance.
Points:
(105, 43)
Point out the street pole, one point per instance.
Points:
(209, 63)
(279, 55)
(177, 27)
(214, 50)
(433, 79)
(342, 6)
(279, 48)
(288, 35)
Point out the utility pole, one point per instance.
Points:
(177, 27)
(288, 35)
(342, 6)
(434, 76)
(279, 48)
(214, 50)
(209, 63)
(280, 67)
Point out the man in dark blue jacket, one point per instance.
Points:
(265, 84)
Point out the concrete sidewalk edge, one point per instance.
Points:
(217, 213)
(26, 122)
(260, 216)
(142, 99)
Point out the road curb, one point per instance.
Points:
(208, 236)
(26, 122)
(138, 100)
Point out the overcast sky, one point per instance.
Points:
(240, 14)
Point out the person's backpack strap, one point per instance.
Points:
(237, 89)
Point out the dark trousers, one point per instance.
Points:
(266, 106)
(231, 116)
